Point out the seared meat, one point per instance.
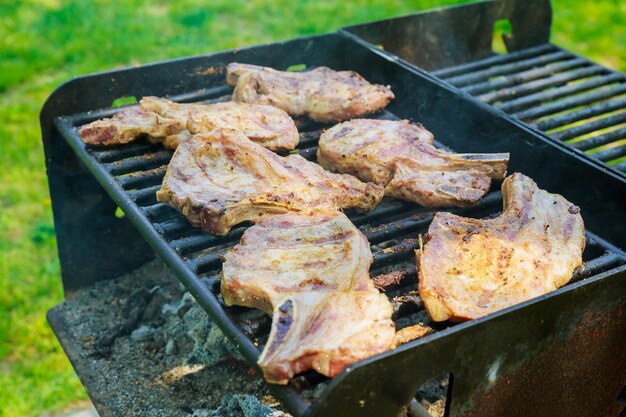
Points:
(221, 178)
(168, 122)
(400, 156)
(469, 268)
(322, 94)
(130, 124)
(310, 271)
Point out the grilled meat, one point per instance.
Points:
(168, 122)
(221, 178)
(400, 156)
(310, 272)
(322, 94)
(469, 268)
(130, 124)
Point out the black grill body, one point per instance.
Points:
(518, 346)
(568, 97)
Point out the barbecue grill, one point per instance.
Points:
(560, 354)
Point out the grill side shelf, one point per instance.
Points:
(569, 98)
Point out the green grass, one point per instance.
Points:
(44, 42)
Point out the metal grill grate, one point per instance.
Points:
(133, 174)
(568, 97)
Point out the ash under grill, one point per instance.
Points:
(568, 97)
(391, 228)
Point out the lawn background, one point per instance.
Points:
(45, 42)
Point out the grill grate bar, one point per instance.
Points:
(598, 265)
(586, 113)
(600, 140)
(143, 178)
(139, 163)
(610, 154)
(621, 166)
(525, 76)
(145, 195)
(206, 261)
(544, 96)
(203, 240)
(393, 254)
(387, 231)
(159, 212)
(176, 227)
(494, 60)
(570, 103)
(542, 84)
(308, 139)
(386, 209)
(603, 123)
(106, 155)
(494, 71)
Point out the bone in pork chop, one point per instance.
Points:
(400, 156)
(322, 94)
(469, 268)
(168, 122)
(221, 178)
(310, 272)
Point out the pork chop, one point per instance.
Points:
(221, 178)
(310, 272)
(400, 156)
(322, 94)
(469, 268)
(164, 121)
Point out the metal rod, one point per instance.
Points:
(620, 167)
(203, 261)
(308, 153)
(610, 154)
(391, 230)
(308, 139)
(158, 211)
(576, 131)
(525, 76)
(145, 196)
(205, 240)
(596, 266)
(143, 178)
(494, 60)
(139, 163)
(568, 103)
(552, 94)
(384, 210)
(106, 155)
(393, 253)
(586, 113)
(600, 140)
(542, 84)
(499, 70)
(176, 227)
